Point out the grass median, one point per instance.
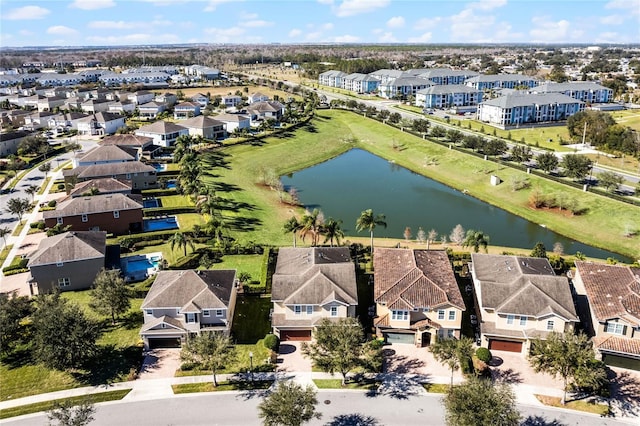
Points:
(586, 406)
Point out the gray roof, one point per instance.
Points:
(126, 140)
(314, 276)
(442, 72)
(356, 76)
(500, 77)
(443, 89)
(106, 153)
(524, 286)
(333, 73)
(387, 73)
(201, 122)
(231, 118)
(189, 289)
(551, 87)
(409, 81)
(91, 205)
(406, 279)
(69, 247)
(103, 185)
(161, 128)
(108, 169)
(103, 117)
(266, 106)
(514, 100)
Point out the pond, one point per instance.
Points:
(358, 180)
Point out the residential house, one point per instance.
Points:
(188, 302)
(207, 127)
(308, 285)
(164, 133)
(501, 81)
(332, 78)
(122, 107)
(102, 123)
(403, 87)
(448, 96)
(201, 72)
(141, 176)
(186, 110)
(517, 108)
(231, 101)
(234, 121)
(36, 120)
(50, 103)
(519, 299)
(65, 121)
(55, 79)
(115, 213)
(95, 105)
(106, 154)
(100, 186)
(265, 110)
(360, 83)
(141, 97)
(585, 91)
(257, 97)
(200, 99)
(166, 98)
(609, 296)
(416, 295)
(150, 110)
(10, 141)
(67, 261)
(143, 144)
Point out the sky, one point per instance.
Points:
(149, 22)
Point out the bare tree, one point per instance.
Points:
(457, 235)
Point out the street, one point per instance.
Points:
(337, 408)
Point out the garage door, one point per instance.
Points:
(505, 345)
(621, 362)
(399, 338)
(295, 335)
(164, 343)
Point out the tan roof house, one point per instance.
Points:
(67, 261)
(310, 284)
(613, 296)
(163, 133)
(204, 126)
(416, 295)
(100, 186)
(186, 302)
(141, 176)
(519, 299)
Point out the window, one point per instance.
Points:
(64, 282)
(148, 311)
(550, 325)
(523, 321)
(116, 214)
(510, 319)
(452, 315)
(60, 264)
(334, 311)
(177, 311)
(206, 313)
(441, 314)
(297, 309)
(59, 221)
(128, 175)
(219, 313)
(309, 310)
(190, 317)
(614, 328)
(450, 334)
(400, 315)
(85, 218)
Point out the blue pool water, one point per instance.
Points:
(159, 167)
(160, 224)
(171, 184)
(150, 203)
(139, 267)
(133, 266)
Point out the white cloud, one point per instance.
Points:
(612, 20)
(92, 4)
(427, 23)
(248, 16)
(358, 7)
(547, 31)
(257, 24)
(387, 37)
(128, 25)
(486, 4)
(25, 33)
(295, 33)
(162, 3)
(325, 1)
(424, 38)
(466, 26)
(611, 37)
(26, 12)
(213, 5)
(230, 35)
(61, 30)
(632, 6)
(313, 36)
(327, 26)
(346, 39)
(396, 22)
(139, 38)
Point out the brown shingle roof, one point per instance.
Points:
(161, 128)
(266, 106)
(106, 153)
(314, 276)
(406, 279)
(613, 291)
(94, 204)
(126, 140)
(108, 169)
(201, 122)
(191, 289)
(104, 186)
(522, 286)
(68, 247)
(232, 118)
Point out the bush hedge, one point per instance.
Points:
(484, 354)
(271, 342)
(166, 211)
(17, 266)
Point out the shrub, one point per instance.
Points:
(484, 354)
(271, 342)
(52, 203)
(60, 186)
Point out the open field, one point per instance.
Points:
(333, 132)
(224, 91)
(629, 118)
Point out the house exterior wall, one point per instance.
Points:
(449, 328)
(232, 125)
(104, 221)
(80, 274)
(165, 140)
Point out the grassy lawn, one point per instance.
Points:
(176, 201)
(222, 386)
(4, 253)
(629, 118)
(251, 318)
(48, 405)
(18, 228)
(626, 163)
(187, 220)
(364, 384)
(250, 263)
(43, 187)
(586, 406)
(241, 364)
(436, 387)
(263, 216)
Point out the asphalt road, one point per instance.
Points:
(338, 409)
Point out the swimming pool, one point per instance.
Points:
(139, 267)
(160, 224)
(171, 184)
(150, 203)
(159, 167)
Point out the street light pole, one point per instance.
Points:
(251, 365)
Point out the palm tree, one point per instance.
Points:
(209, 203)
(181, 240)
(333, 230)
(312, 224)
(3, 234)
(293, 226)
(31, 190)
(369, 221)
(476, 239)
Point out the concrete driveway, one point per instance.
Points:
(160, 364)
(290, 358)
(511, 367)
